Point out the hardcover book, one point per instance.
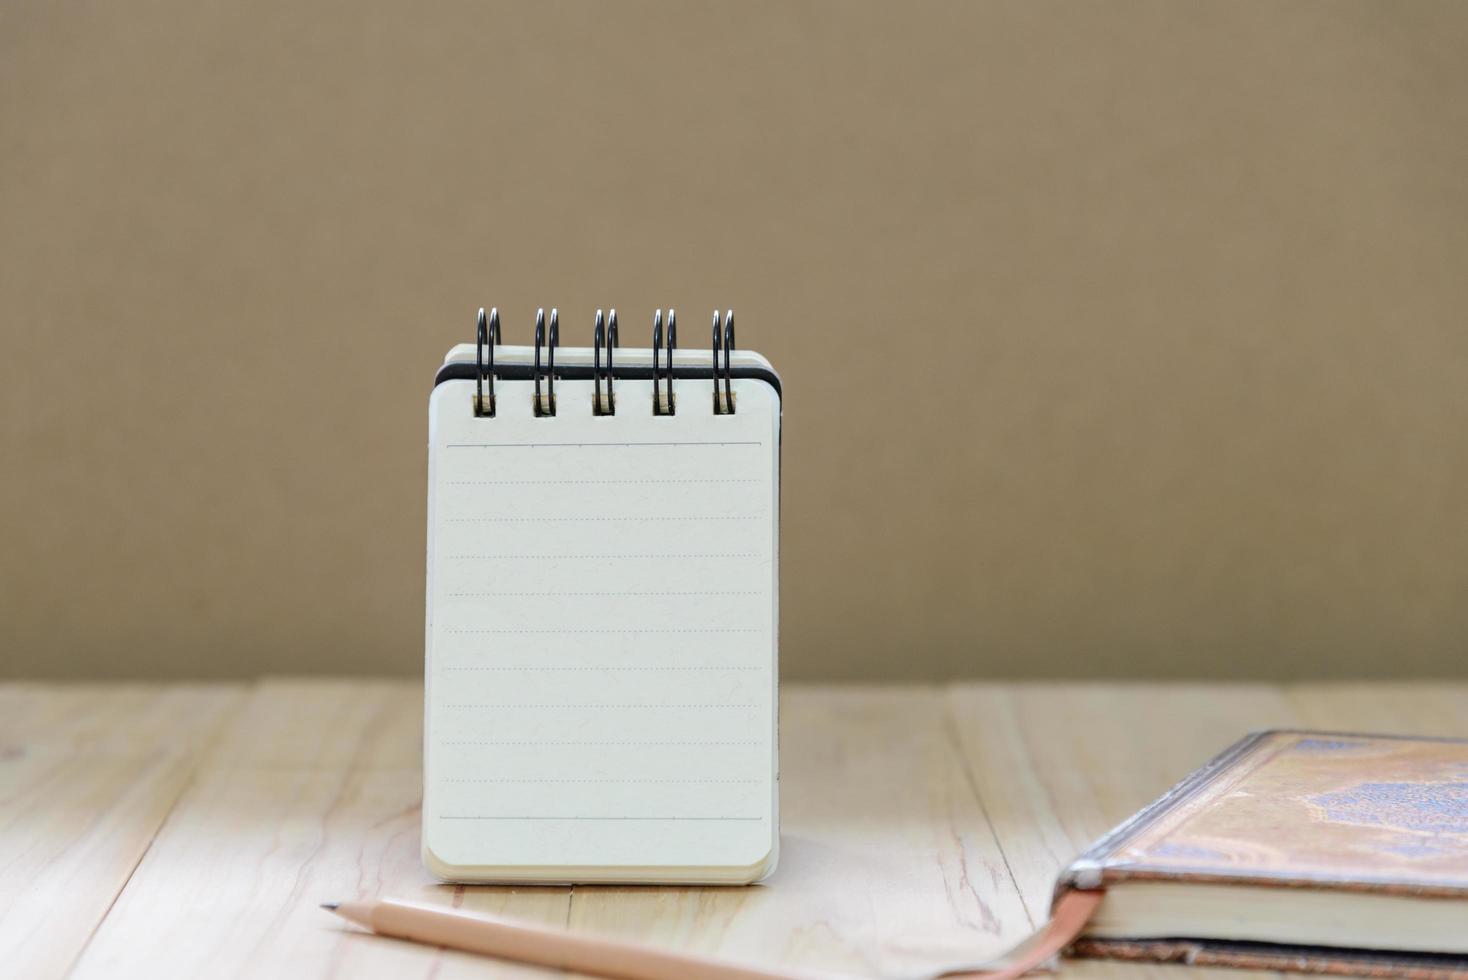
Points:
(1306, 851)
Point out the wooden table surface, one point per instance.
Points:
(192, 830)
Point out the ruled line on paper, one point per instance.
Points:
(458, 816)
(492, 779)
(539, 667)
(588, 520)
(589, 445)
(730, 554)
(627, 704)
(584, 595)
(572, 483)
(637, 743)
(633, 629)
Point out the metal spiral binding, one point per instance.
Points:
(546, 406)
(657, 345)
(612, 344)
(486, 336)
(723, 403)
(604, 333)
(663, 404)
(604, 341)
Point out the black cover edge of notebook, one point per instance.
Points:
(458, 371)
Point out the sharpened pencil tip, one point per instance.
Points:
(331, 906)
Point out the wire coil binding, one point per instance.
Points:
(604, 344)
(486, 338)
(723, 405)
(545, 406)
(663, 403)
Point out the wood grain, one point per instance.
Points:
(190, 831)
(887, 864)
(311, 796)
(1058, 765)
(87, 776)
(1389, 709)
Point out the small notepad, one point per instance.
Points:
(602, 622)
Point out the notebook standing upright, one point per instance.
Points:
(602, 621)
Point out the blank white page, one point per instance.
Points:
(601, 636)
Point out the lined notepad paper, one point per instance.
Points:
(602, 636)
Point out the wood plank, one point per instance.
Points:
(887, 863)
(1402, 708)
(311, 795)
(87, 775)
(1058, 765)
(887, 860)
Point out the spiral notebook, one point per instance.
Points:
(602, 623)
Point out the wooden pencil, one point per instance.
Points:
(529, 942)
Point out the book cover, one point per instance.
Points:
(1299, 810)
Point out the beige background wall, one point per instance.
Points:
(1119, 338)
